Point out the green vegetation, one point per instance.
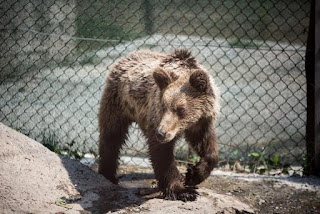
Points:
(65, 149)
(254, 162)
(257, 158)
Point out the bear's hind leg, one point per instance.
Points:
(112, 136)
(113, 127)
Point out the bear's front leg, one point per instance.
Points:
(203, 140)
(167, 174)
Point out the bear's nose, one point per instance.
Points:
(160, 135)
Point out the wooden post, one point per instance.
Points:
(313, 91)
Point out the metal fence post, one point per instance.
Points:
(313, 98)
(317, 88)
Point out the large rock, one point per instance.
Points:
(32, 177)
(207, 202)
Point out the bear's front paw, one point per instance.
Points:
(187, 194)
(192, 176)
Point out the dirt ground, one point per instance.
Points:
(269, 195)
(32, 178)
(266, 194)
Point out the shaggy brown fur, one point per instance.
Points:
(168, 96)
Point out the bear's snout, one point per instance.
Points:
(163, 137)
(160, 135)
(167, 128)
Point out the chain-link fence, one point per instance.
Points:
(55, 55)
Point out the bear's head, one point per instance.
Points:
(186, 96)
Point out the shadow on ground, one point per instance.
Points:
(98, 195)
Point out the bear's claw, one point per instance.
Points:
(187, 194)
(192, 176)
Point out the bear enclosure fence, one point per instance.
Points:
(55, 55)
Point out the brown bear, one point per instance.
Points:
(168, 96)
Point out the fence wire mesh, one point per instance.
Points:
(55, 55)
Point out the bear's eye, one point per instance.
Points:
(181, 111)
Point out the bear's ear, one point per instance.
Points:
(199, 80)
(161, 78)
